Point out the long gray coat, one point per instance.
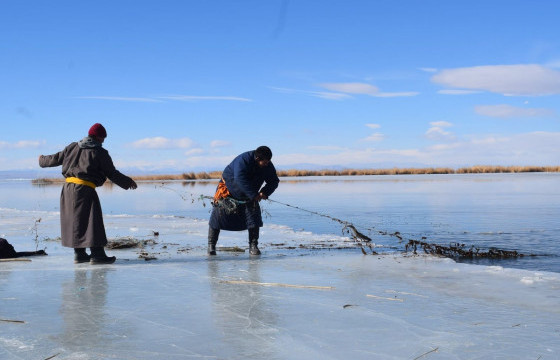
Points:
(81, 218)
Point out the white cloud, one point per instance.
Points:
(457, 92)
(358, 158)
(119, 98)
(20, 163)
(351, 88)
(319, 94)
(508, 111)
(203, 98)
(328, 95)
(397, 94)
(363, 89)
(182, 143)
(531, 79)
(437, 132)
(212, 162)
(487, 140)
(375, 137)
(341, 91)
(147, 165)
(325, 148)
(194, 151)
(444, 147)
(219, 143)
(167, 97)
(373, 126)
(553, 64)
(441, 123)
(430, 70)
(163, 143)
(22, 144)
(536, 148)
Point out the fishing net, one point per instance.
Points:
(229, 205)
(461, 251)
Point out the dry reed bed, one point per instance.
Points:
(479, 169)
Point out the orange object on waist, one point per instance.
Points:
(78, 181)
(222, 191)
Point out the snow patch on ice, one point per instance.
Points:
(494, 269)
(535, 278)
(15, 344)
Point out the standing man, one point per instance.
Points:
(236, 202)
(85, 165)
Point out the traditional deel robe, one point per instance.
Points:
(81, 218)
(243, 178)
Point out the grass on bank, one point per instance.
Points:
(479, 169)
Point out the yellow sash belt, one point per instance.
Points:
(75, 180)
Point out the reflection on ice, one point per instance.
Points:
(187, 305)
(242, 316)
(83, 311)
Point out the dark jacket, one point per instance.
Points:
(244, 177)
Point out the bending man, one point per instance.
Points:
(236, 202)
(85, 165)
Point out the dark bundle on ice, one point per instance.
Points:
(456, 250)
(7, 251)
(127, 243)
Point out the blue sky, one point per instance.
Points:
(186, 85)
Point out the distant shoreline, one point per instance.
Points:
(483, 169)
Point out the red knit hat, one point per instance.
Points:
(97, 130)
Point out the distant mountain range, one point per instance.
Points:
(28, 174)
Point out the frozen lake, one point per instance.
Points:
(288, 304)
(506, 211)
(312, 294)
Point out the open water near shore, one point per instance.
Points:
(505, 211)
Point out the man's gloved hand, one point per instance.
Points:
(261, 196)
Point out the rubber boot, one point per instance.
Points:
(80, 256)
(254, 241)
(212, 240)
(98, 256)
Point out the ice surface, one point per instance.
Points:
(326, 301)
